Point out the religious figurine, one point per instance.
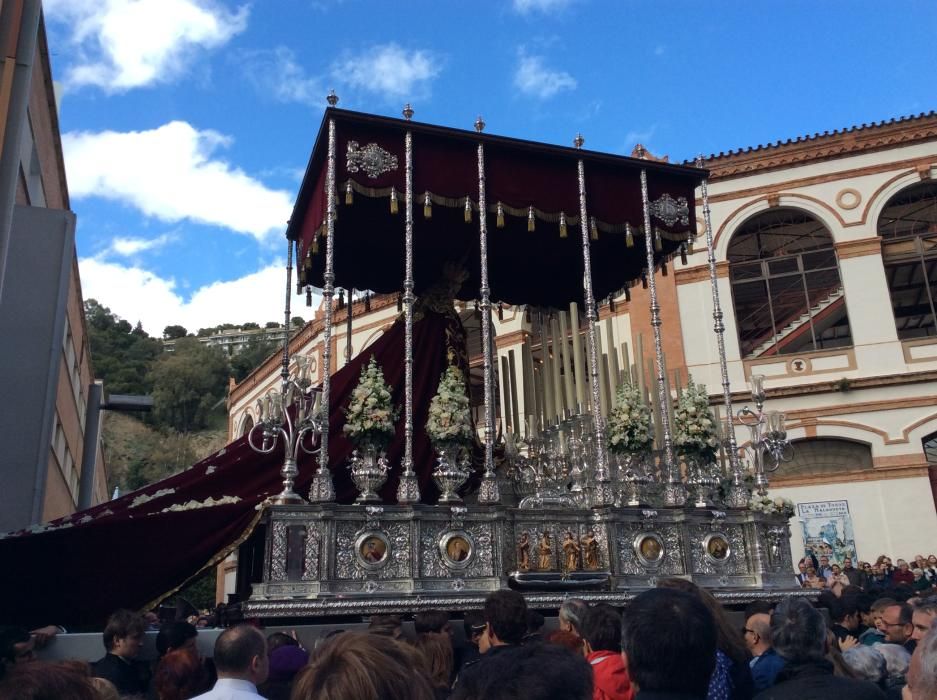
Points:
(590, 551)
(571, 550)
(523, 552)
(545, 552)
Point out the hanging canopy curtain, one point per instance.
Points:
(535, 252)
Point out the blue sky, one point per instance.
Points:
(187, 123)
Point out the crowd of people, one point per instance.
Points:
(674, 642)
(824, 572)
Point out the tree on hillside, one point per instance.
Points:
(120, 354)
(297, 322)
(174, 332)
(187, 384)
(251, 326)
(271, 324)
(258, 349)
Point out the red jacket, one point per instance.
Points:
(609, 679)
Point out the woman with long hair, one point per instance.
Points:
(732, 678)
(436, 651)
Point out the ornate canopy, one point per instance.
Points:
(534, 238)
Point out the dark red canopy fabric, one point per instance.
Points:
(539, 267)
(134, 550)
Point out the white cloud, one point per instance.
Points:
(128, 247)
(275, 72)
(642, 136)
(125, 44)
(533, 78)
(389, 70)
(170, 173)
(545, 6)
(136, 294)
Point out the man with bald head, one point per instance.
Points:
(241, 661)
(765, 663)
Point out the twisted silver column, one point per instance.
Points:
(488, 490)
(322, 489)
(408, 490)
(603, 494)
(674, 489)
(738, 495)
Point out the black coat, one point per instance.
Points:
(129, 677)
(815, 681)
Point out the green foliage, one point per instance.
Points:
(174, 332)
(271, 324)
(297, 322)
(121, 354)
(250, 326)
(205, 332)
(258, 349)
(187, 384)
(201, 591)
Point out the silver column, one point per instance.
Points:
(603, 494)
(738, 495)
(488, 490)
(674, 489)
(408, 490)
(322, 489)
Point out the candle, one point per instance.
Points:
(626, 365)
(569, 391)
(639, 364)
(578, 357)
(722, 436)
(557, 363)
(538, 394)
(613, 376)
(667, 397)
(654, 399)
(546, 377)
(505, 394)
(527, 364)
(512, 369)
(603, 373)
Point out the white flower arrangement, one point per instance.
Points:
(370, 416)
(694, 425)
(450, 418)
(629, 423)
(772, 506)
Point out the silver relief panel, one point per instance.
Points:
(440, 536)
(311, 563)
(348, 562)
(631, 559)
(373, 160)
(278, 551)
(706, 545)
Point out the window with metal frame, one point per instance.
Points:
(908, 228)
(786, 288)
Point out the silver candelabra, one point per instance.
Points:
(292, 413)
(769, 446)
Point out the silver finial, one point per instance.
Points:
(578, 141)
(407, 111)
(479, 124)
(332, 98)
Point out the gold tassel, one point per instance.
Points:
(627, 293)
(563, 233)
(531, 222)
(629, 236)
(611, 304)
(643, 280)
(500, 221)
(657, 243)
(683, 254)
(663, 268)
(468, 210)
(427, 206)
(393, 200)
(594, 229)
(315, 244)
(341, 299)
(367, 302)
(308, 296)
(500, 312)
(349, 194)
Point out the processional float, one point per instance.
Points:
(560, 513)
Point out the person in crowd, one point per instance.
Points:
(436, 650)
(878, 581)
(275, 640)
(876, 629)
(855, 576)
(104, 688)
(867, 664)
(922, 618)
(601, 645)
(897, 625)
(505, 614)
(799, 633)
(123, 640)
(567, 639)
(534, 626)
(356, 666)
(176, 635)
(837, 576)
(922, 671)
(732, 679)
(813, 580)
(824, 570)
(180, 675)
(286, 660)
(473, 625)
(17, 646)
(571, 612)
(386, 625)
(802, 573)
(431, 621)
(530, 672)
(42, 680)
(844, 613)
(897, 660)
(668, 640)
(903, 574)
(930, 569)
(765, 663)
(241, 662)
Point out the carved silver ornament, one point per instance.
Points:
(372, 159)
(670, 210)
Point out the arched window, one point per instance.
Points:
(785, 285)
(908, 227)
(827, 456)
(246, 424)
